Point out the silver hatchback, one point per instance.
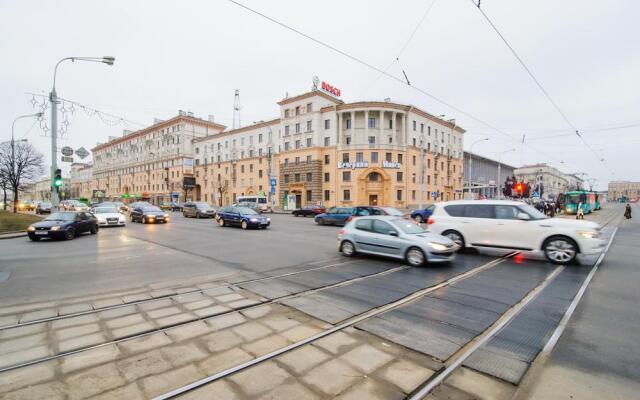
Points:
(395, 237)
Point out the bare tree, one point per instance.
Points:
(21, 163)
(4, 185)
(222, 189)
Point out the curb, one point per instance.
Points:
(13, 235)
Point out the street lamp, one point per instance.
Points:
(13, 141)
(500, 172)
(471, 161)
(53, 98)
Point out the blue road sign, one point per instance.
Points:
(273, 182)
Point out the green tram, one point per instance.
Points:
(590, 202)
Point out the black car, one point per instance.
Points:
(243, 217)
(198, 209)
(63, 225)
(43, 208)
(149, 215)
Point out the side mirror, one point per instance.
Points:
(524, 216)
(393, 233)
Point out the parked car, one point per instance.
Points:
(335, 216)
(308, 210)
(148, 214)
(136, 204)
(422, 214)
(396, 237)
(502, 224)
(65, 224)
(243, 217)
(73, 205)
(198, 209)
(109, 216)
(43, 207)
(26, 205)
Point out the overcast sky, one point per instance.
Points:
(191, 55)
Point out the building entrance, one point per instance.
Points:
(373, 199)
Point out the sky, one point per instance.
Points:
(192, 55)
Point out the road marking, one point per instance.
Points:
(553, 340)
(453, 365)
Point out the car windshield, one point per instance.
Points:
(105, 210)
(393, 211)
(407, 226)
(150, 208)
(533, 213)
(61, 216)
(203, 205)
(246, 211)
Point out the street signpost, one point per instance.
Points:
(81, 152)
(67, 159)
(67, 151)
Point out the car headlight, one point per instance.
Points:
(268, 219)
(588, 234)
(55, 228)
(150, 216)
(254, 220)
(166, 215)
(31, 229)
(438, 246)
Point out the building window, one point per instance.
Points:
(250, 167)
(400, 158)
(359, 157)
(327, 177)
(309, 143)
(259, 173)
(346, 195)
(413, 160)
(428, 146)
(374, 177)
(399, 195)
(309, 107)
(374, 156)
(348, 123)
(388, 157)
(399, 176)
(286, 130)
(391, 124)
(286, 178)
(346, 176)
(297, 144)
(414, 142)
(286, 162)
(309, 159)
(413, 195)
(372, 140)
(345, 157)
(296, 177)
(428, 179)
(414, 125)
(421, 128)
(372, 122)
(298, 110)
(327, 123)
(309, 176)
(298, 127)
(260, 153)
(347, 139)
(297, 160)
(390, 139)
(428, 163)
(327, 141)
(286, 146)
(326, 159)
(242, 169)
(309, 195)
(327, 195)
(286, 113)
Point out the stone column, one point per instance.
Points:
(380, 129)
(338, 128)
(366, 125)
(393, 127)
(353, 126)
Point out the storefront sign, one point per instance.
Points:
(353, 165)
(391, 164)
(330, 89)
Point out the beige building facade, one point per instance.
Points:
(623, 189)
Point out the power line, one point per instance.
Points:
(385, 73)
(537, 82)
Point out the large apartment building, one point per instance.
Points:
(320, 150)
(628, 190)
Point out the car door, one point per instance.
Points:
(81, 222)
(479, 225)
(136, 214)
(512, 232)
(363, 235)
(234, 216)
(330, 216)
(383, 240)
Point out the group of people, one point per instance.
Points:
(549, 208)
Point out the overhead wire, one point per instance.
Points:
(537, 82)
(393, 77)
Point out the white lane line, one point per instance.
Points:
(553, 340)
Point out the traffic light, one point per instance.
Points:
(519, 187)
(57, 180)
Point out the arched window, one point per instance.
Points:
(374, 177)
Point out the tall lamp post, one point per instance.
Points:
(13, 142)
(471, 162)
(500, 172)
(53, 98)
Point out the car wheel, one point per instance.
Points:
(244, 225)
(94, 230)
(347, 249)
(35, 238)
(415, 257)
(455, 237)
(70, 234)
(198, 216)
(560, 250)
(418, 218)
(320, 221)
(221, 222)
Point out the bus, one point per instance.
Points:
(572, 199)
(261, 202)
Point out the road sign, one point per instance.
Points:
(67, 151)
(82, 153)
(434, 194)
(273, 181)
(67, 159)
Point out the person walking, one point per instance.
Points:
(580, 212)
(627, 211)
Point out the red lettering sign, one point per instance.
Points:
(331, 89)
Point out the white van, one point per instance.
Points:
(261, 201)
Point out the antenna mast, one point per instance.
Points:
(236, 110)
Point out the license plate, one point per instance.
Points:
(42, 233)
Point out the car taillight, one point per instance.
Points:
(430, 221)
(340, 233)
(350, 218)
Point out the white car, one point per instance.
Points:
(109, 216)
(512, 225)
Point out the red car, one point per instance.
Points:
(308, 210)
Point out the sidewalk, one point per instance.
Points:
(12, 235)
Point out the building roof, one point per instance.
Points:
(308, 95)
(476, 155)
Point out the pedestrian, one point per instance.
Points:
(627, 211)
(552, 210)
(580, 211)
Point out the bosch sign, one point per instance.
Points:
(331, 89)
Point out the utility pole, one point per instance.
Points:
(236, 110)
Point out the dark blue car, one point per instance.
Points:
(63, 225)
(335, 216)
(243, 217)
(422, 215)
